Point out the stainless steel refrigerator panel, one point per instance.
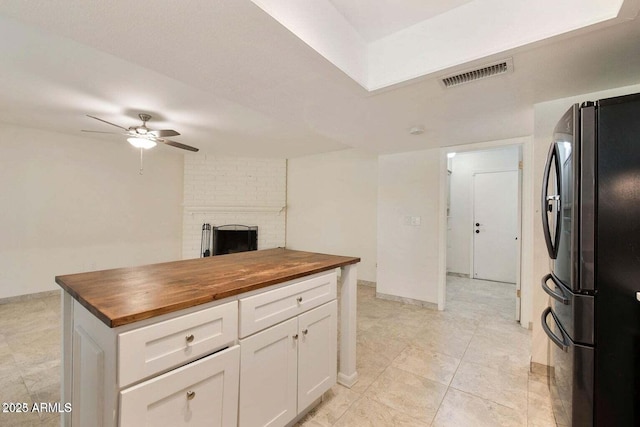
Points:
(618, 262)
(573, 367)
(587, 193)
(574, 379)
(566, 140)
(575, 312)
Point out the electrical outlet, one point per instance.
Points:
(411, 220)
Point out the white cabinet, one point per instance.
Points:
(189, 368)
(87, 375)
(179, 369)
(287, 367)
(268, 308)
(202, 393)
(268, 376)
(317, 353)
(156, 348)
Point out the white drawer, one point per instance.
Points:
(202, 393)
(156, 348)
(268, 308)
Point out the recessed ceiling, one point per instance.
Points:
(374, 20)
(234, 81)
(448, 37)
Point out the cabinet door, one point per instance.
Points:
(202, 393)
(317, 353)
(268, 373)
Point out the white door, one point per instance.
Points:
(317, 362)
(495, 226)
(268, 376)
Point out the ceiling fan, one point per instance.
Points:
(142, 137)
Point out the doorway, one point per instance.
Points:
(483, 220)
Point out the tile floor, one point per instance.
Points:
(30, 346)
(466, 366)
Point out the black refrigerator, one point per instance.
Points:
(591, 223)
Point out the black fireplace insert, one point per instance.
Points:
(232, 238)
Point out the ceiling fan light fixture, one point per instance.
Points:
(142, 143)
(144, 138)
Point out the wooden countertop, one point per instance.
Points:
(125, 295)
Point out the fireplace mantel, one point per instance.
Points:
(234, 208)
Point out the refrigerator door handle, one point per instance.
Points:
(558, 296)
(552, 247)
(562, 343)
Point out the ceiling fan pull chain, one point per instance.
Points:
(141, 150)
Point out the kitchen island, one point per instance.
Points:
(228, 339)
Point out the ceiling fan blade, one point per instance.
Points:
(109, 123)
(163, 133)
(178, 145)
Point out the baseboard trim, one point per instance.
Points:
(450, 273)
(541, 369)
(366, 283)
(27, 297)
(410, 301)
(347, 380)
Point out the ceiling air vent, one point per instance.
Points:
(490, 70)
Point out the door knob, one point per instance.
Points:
(477, 224)
(477, 231)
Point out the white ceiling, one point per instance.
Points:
(380, 18)
(234, 81)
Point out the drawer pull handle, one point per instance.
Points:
(191, 395)
(299, 299)
(189, 338)
(305, 331)
(295, 337)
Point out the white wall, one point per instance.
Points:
(223, 190)
(463, 166)
(331, 206)
(73, 204)
(408, 255)
(547, 115)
